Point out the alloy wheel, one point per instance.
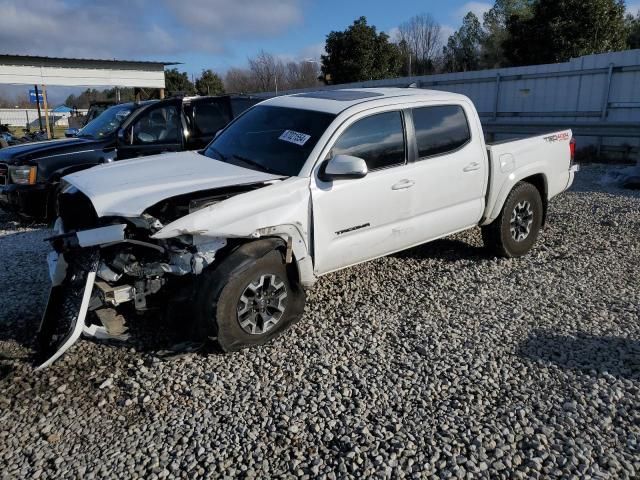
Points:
(262, 304)
(521, 221)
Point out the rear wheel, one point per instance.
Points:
(247, 301)
(515, 231)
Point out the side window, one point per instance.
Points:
(208, 118)
(157, 126)
(378, 140)
(440, 130)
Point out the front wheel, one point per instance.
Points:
(247, 301)
(516, 229)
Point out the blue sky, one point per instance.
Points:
(217, 34)
(305, 37)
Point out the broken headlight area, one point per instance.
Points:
(96, 271)
(132, 271)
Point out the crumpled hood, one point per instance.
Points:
(127, 188)
(283, 203)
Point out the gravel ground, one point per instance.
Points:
(438, 361)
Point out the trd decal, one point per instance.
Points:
(353, 229)
(557, 138)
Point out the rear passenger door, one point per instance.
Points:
(450, 170)
(355, 220)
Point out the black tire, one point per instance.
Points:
(219, 294)
(498, 236)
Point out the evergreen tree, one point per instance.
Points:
(209, 83)
(462, 52)
(360, 53)
(560, 30)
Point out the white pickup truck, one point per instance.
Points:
(297, 187)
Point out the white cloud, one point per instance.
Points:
(445, 32)
(125, 29)
(216, 20)
(478, 8)
(394, 34)
(633, 8)
(312, 52)
(42, 27)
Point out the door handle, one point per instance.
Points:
(403, 185)
(472, 167)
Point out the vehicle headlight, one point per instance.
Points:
(23, 175)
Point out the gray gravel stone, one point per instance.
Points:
(440, 361)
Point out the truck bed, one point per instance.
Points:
(546, 156)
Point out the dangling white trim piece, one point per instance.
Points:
(79, 326)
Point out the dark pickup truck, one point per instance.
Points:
(30, 174)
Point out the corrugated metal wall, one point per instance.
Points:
(598, 96)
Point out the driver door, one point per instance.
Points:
(356, 220)
(157, 129)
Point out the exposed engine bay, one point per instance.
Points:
(99, 264)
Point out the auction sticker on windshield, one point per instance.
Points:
(294, 137)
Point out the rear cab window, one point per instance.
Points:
(440, 129)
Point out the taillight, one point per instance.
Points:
(572, 148)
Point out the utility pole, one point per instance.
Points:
(46, 111)
(38, 104)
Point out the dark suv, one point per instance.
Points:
(30, 173)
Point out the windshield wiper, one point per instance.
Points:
(256, 164)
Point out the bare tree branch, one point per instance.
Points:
(267, 73)
(422, 36)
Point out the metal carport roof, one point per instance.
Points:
(81, 72)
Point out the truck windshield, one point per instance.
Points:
(277, 140)
(106, 123)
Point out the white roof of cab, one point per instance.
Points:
(339, 100)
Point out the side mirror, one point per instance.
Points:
(71, 132)
(343, 167)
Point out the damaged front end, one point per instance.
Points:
(100, 264)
